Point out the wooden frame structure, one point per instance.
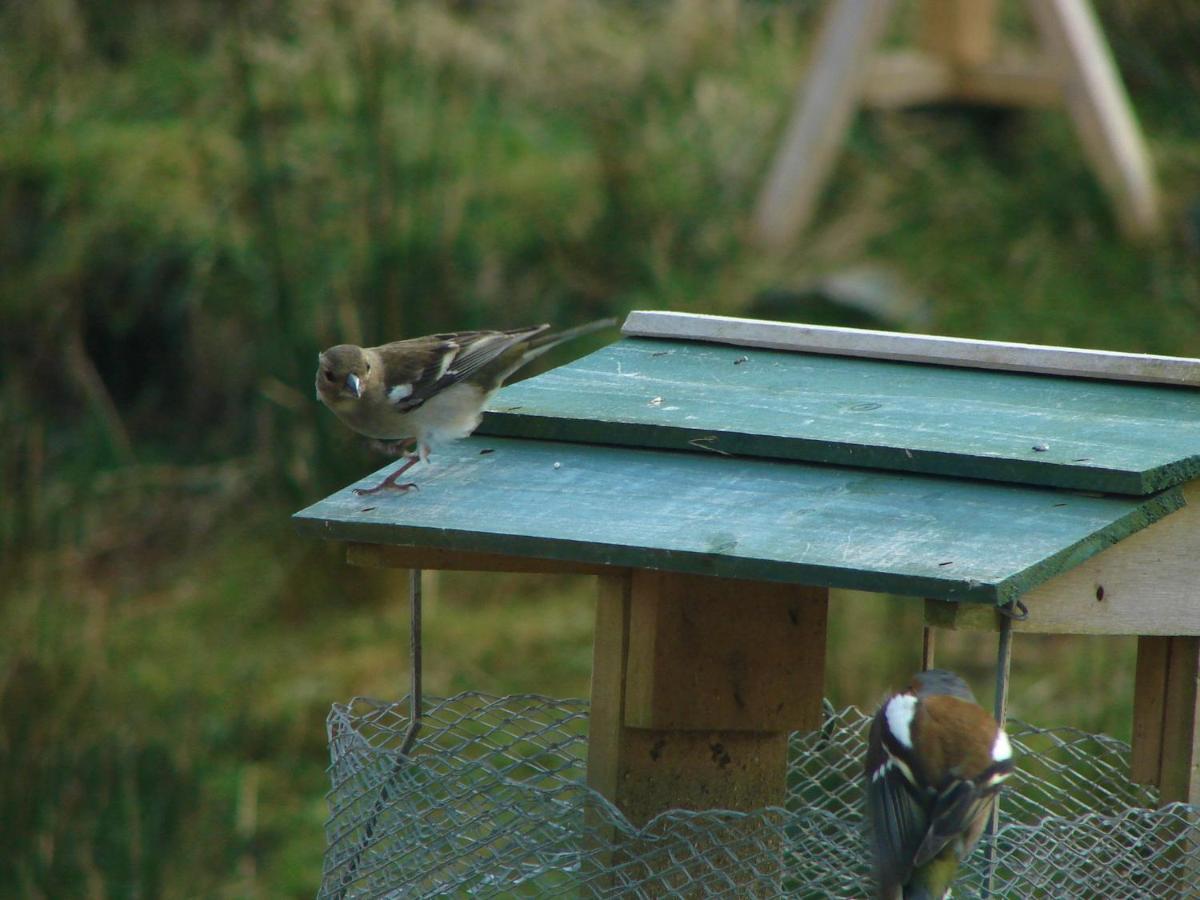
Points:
(960, 60)
(712, 606)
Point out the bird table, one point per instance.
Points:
(721, 475)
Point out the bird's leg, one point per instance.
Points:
(389, 483)
(402, 447)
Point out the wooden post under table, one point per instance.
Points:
(696, 684)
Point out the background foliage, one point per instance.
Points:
(195, 197)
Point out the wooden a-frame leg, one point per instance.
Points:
(824, 108)
(696, 683)
(1100, 110)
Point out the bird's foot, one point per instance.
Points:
(390, 484)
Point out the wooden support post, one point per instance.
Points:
(1167, 717)
(1100, 110)
(824, 107)
(1148, 695)
(962, 32)
(696, 683)
(1166, 743)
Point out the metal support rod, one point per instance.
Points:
(1000, 709)
(410, 734)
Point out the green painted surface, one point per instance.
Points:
(1096, 435)
(702, 513)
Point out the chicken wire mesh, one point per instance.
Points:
(493, 802)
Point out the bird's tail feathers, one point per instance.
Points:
(543, 342)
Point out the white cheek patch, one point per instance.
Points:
(399, 392)
(899, 714)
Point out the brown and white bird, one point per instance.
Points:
(935, 762)
(415, 394)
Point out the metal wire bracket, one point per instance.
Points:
(1016, 611)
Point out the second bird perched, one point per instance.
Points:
(415, 394)
(935, 762)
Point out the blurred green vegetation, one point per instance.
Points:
(195, 197)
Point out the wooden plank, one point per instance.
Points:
(820, 119)
(606, 727)
(1012, 80)
(1166, 746)
(1179, 775)
(910, 78)
(907, 78)
(714, 399)
(645, 772)
(963, 32)
(694, 666)
(739, 518)
(610, 649)
(923, 348)
(1101, 112)
(390, 556)
(675, 769)
(1149, 694)
(1143, 585)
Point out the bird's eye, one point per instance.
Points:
(329, 375)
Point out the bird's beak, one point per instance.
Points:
(354, 385)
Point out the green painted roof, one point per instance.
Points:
(705, 513)
(1003, 426)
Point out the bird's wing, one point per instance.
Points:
(959, 810)
(896, 809)
(486, 347)
(417, 369)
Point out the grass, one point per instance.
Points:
(194, 200)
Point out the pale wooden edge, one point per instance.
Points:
(921, 348)
(395, 557)
(1143, 585)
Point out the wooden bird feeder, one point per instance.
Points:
(720, 475)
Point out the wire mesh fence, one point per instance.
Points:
(493, 802)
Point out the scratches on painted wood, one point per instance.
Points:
(734, 517)
(1031, 429)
